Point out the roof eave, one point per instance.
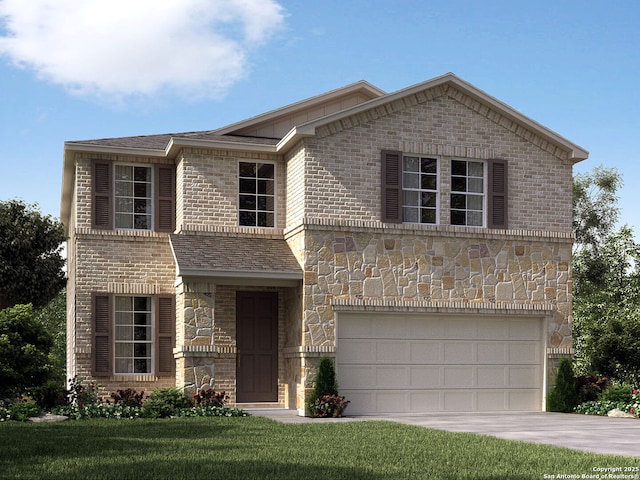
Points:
(234, 277)
(176, 143)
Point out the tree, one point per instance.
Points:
(24, 351)
(53, 317)
(31, 265)
(606, 282)
(595, 210)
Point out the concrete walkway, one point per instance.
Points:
(614, 436)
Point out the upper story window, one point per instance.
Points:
(411, 188)
(133, 197)
(468, 193)
(256, 187)
(419, 189)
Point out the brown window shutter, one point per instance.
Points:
(498, 194)
(102, 341)
(102, 190)
(165, 334)
(165, 202)
(392, 186)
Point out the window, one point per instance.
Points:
(419, 189)
(133, 197)
(133, 335)
(410, 190)
(467, 193)
(256, 194)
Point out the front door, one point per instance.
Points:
(257, 347)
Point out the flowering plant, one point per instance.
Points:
(80, 394)
(128, 397)
(328, 406)
(209, 398)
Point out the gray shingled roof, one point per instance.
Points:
(160, 142)
(213, 255)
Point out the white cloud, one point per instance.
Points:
(132, 47)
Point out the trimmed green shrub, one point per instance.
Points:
(618, 393)
(23, 410)
(326, 383)
(164, 402)
(325, 401)
(564, 396)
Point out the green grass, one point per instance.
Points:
(258, 448)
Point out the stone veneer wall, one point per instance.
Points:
(415, 268)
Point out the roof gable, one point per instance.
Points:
(277, 123)
(455, 87)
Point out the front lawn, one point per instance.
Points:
(259, 448)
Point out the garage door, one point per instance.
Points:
(388, 363)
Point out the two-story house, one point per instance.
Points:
(422, 238)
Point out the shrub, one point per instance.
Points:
(23, 410)
(590, 388)
(210, 411)
(326, 383)
(564, 396)
(50, 396)
(164, 402)
(128, 397)
(328, 406)
(209, 397)
(97, 410)
(325, 401)
(618, 393)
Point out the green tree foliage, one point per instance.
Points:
(564, 396)
(595, 210)
(30, 260)
(606, 282)
(53, 317)
(24, 351)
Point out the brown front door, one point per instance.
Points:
(257, 347)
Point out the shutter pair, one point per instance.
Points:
(392, 190)
(103, 340)
(164, 196)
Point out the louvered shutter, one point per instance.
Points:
(102, 190)
(392, 186)
(102, 341)
(498, 194)
(165, 334)
(165, 203)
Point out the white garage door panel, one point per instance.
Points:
(409, 363)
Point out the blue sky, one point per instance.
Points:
(79, 69)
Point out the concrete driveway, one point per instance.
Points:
(614, 436)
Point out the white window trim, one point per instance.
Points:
(275, 190)
(153, 197)
(437, 191)
(485, 186)
(153, 337)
